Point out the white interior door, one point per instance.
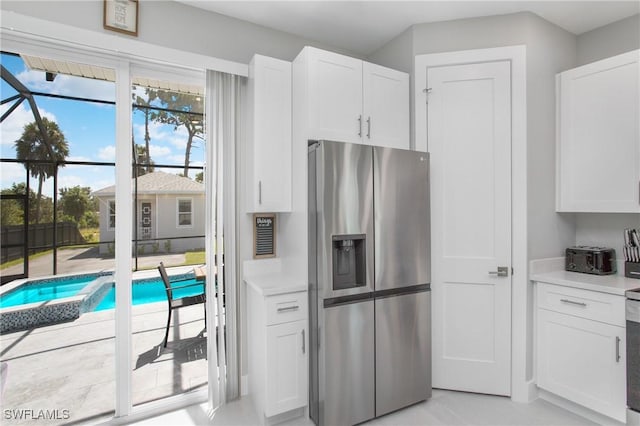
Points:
(469, 138)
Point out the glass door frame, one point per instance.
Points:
(32, 36)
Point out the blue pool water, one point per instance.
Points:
(42, 291)
(151, 291)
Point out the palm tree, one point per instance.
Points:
(33, 145)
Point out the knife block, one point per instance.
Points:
(632, 270)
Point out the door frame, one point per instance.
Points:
(34, 36)
(522, 383)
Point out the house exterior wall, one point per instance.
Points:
(164, 223)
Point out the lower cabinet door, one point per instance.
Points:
(582, 361)
(286, 387)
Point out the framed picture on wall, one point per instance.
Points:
(121, 16)
(264, 235)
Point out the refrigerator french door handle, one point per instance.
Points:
(303, 344)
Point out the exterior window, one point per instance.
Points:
(185, 218)
(112, 215)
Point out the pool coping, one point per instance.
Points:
(40, 314)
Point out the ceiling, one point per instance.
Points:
(364, 26)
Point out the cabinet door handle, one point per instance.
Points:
(368, 127)
(288, 308)
(304, 349)
(259, 192)
(618, 349)
(360, 125)
(571, 302)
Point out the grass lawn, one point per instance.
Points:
(194, 257)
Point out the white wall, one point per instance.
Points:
(176, 25)
(617, 37)
(604, 229)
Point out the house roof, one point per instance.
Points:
(159, 183)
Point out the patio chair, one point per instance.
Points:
(181, 302)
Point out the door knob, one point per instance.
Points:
(503, 271)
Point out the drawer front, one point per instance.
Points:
(593, 305)
(286, 307)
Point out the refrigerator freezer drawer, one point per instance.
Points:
(348, 390)
(403, 350)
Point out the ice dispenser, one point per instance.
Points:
(349, 264)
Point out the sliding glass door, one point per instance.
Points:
(134, 191)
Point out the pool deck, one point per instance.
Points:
(71, 366)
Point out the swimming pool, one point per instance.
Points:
(28, 303)
(45, 290)
(151, 291)
(33, 303)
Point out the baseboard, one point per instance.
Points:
(526, 393)
(284, 417)
(578, 409)
(244, 385)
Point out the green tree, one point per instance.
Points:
(181, 110)
(32, 146)
(200, 177)
(12, 211)
(76, 201)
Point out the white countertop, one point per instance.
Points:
(275, 283)
(613, 284)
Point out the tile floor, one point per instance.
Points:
(444, 408)
(70, 366)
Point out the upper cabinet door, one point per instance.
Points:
(268, 172)
(598, 151)
(335, 97)
(386, 107)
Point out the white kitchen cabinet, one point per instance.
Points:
(287, 367)
(581, 351)
(277, 353)
(349, 100)
(598, 136)
(268, 149)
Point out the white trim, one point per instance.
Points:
(123, 237)
(16, 27)
(190, 200)
(517, 55)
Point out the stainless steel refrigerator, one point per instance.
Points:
(369, 275)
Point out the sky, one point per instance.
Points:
(88, 127)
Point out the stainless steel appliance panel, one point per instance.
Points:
(633, 353)
(402, 221)
(403, 350)
(347, 394)
(313, 291)
(344, 185)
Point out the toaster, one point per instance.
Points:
(591, 260)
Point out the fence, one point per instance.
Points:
(41, 235)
